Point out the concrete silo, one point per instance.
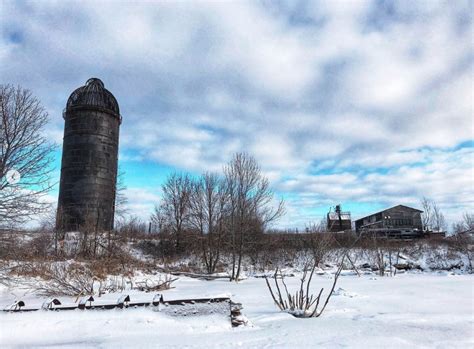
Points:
(89, 159)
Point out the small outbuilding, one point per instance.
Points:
(338, 221)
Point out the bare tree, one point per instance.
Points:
(458, 227)
(432, 217)
(467, 223)
(175, 204)
(468, 220)
(23, 148)
(158, 219)
(427, 215)
(250, 199)
(121, 199)
(207, 214)
(439, 223)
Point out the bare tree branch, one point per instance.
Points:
(23, 148)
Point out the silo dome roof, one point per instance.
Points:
(93, 94)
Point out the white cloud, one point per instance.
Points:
(446, 177)
(141, 201)
(341, 87)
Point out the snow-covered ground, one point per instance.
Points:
(406, 311)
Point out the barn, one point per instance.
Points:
(398, 222)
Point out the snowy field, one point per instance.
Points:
(406, 311)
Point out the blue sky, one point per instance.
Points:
(363, 103)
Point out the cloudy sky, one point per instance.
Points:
(363, 103)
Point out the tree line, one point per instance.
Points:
(227, 211)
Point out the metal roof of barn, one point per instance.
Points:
(372, 214)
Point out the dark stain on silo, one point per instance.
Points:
(89, 161)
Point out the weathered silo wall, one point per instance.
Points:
(89, 159)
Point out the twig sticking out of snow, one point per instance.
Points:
(150, 286)
(201, 276)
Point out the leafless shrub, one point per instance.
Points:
(41, 245)
(132, 227)
(320, 245)
(63, 279)
(113, 284)
(148, 285)
(378, 254)
(463, 244)
(25, 245)
(302, 303)
(76, 279)
(4, 271)
(9, 245)
(462, 241)
(383, 254)
(439, 255)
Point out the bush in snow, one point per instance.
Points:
(65, 279)
(301, 303)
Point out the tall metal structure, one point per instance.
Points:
(89, 161)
